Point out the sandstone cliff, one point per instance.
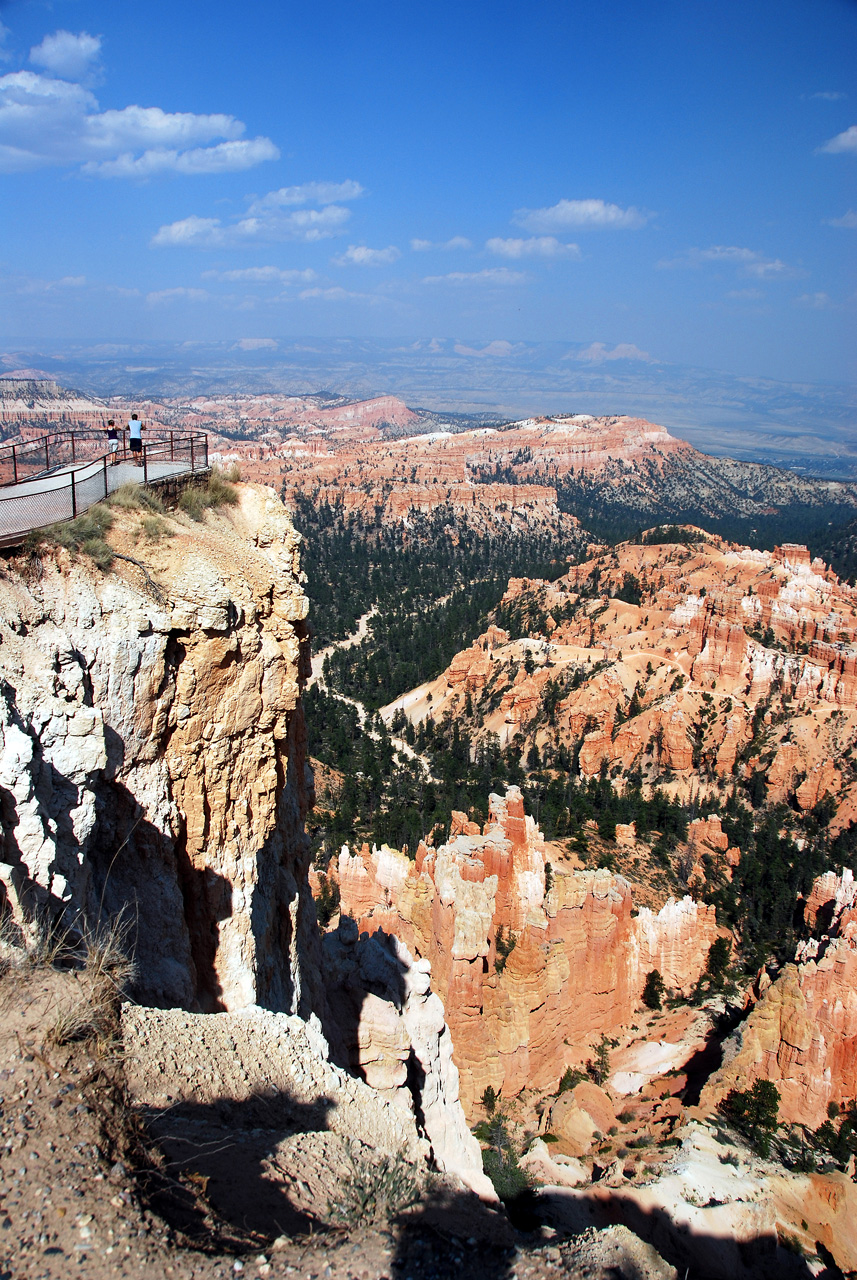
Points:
(153, 768)
(690, 663)
(579, 960)
(153, 754)
(802, 1033)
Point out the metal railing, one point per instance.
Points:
(53, 482)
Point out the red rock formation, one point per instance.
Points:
(802, 1034)
(579, 960)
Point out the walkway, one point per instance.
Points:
(68, 489)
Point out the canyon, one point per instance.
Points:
(650, 711)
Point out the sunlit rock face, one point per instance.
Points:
(580, 957)
(802, 1033)
(153, 753)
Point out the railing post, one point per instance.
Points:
(191, 454)
(145, 464)
(172, 451)
(47, 454)
(104, 465)
(72, 447)
(205, 447)
(73, 499)
(14, 464)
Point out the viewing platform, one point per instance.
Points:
(55, 477)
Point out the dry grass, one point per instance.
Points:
(134, 497)
(376, 1190)
(218, 492)
(105, 971)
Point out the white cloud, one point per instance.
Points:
(28, 285)
(456, 242)
(491, 276)
(597, 353)
(210, 233)
(226, 157)
(177, 295)
(815, 301)
(748, 261)
(591, 214)
(829, 96)
(533, 247)
(53, 122)
(255, 344)
(308, 193)
(5, 55)
(336, 294)
(263, 275)
(360, 255)
(843, 142)
(70, 56)
(848, 219)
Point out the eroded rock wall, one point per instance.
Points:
(580, 958)
(802, 1033)
(153, 753)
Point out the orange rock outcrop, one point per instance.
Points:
(802, 1033)
(579, 960)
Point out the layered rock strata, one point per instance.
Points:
(579, 960)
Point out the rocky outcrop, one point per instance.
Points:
(384, 1010)
(153, 769)
(802, 1033)
(578, 960)
(153, 754)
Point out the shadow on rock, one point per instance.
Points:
(697, 1255)
(233, 1173)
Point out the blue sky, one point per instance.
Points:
(671, 179)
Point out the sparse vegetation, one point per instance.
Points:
(217, 492)
(376, 1190)
(86, 535)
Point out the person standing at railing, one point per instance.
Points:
(113, 441)
(135, 439)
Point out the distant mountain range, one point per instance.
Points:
(806, 427)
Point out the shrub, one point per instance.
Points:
(134, 497)
(376, 1189)
(755, 1111)
(489, 1099)
(719, 955)
(653, 990)
(327, 902)
(85, 534)
(505, 944)
(500, 1161)
(154, 528)
(599, 1066)
(571, 1077)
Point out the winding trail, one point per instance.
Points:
(317, 677)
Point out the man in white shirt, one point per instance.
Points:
(135, 439)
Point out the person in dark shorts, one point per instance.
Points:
(135, 439)
(113, 441)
